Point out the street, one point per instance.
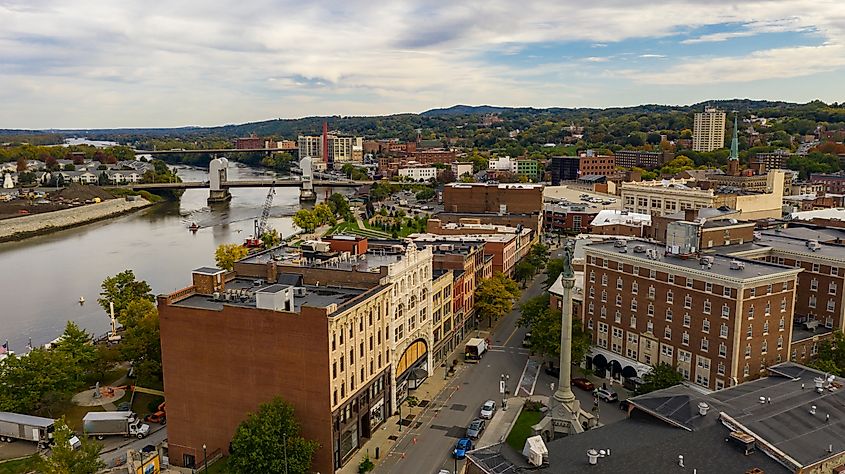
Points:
(115, 447)
(425, 443)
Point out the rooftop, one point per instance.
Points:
(615, 217)
(241, 292)
(463, 238)
(835, 213)
(721, 265)
(499, 186)
(786, 243)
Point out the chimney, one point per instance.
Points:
(689, 214)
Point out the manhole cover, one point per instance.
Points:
(405, 422)
(458, 407)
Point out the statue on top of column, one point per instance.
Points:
(567, 262)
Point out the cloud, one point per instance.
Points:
(85, 63)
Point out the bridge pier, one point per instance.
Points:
(219, 195)
(306, 192)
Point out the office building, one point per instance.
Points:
(573, 219)
(590, 164)
(418, 173)
(708, 131)
(642, 159)
(564, 168)
(341, 149)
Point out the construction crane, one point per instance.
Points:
(261, 223)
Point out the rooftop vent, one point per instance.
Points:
(702, 408)
(737, 265)
(620, 243)
(814, 245)
(639, 249)
(593, 455)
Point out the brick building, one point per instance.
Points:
(709, 227)
(442, 314)
(251, 142)
(719, 320)
(596, 165)
(642, 159)
(493, 198)
(567, 219)
(230, 343)
(622, 223)
(833, 182)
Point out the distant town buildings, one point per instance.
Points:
(590, 164)
(642, 159)
(341, 149)
(418, 172)
(708, 130)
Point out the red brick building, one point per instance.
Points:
(567, 219)
(249, 143)
(231, 343)
(719, 320)
(495, 198)
(598, 165)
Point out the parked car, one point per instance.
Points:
(488, 409)
(475, 428)
(553, 371)
(632, 383)
(526, 341)
(607, 395)
(583, 384)
(124, 406)
(461, 447)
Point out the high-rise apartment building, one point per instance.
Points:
(719, 320)
(341, 149)
(708, 132)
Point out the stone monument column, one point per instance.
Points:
(564, 393)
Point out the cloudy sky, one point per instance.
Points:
(132, 63)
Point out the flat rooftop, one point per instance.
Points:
(721, 264)
(241, 292)
(461, 238)
(778, 241)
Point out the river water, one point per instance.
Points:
(43, 277)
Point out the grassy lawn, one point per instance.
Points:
(19, 465)
(522, 429)
(352, 228)
(219, 467)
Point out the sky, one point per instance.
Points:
(132, 63)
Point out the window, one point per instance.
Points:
(671, 278)
(706, 307)
(751, 312)
(590, 308)
(831, 305)
(705, 345)
(334, 369)
(780, 342)
(726, 292)
(666, 350)
(617, 317)
(726, 310)
(619, 282)
(746, 370)
(812, 302)
(633, 323)
(720, 368)
(705, 326)
(592, 275)
(768, 310)
(781, 324)
(765, 328)
(831, 288)
(590, 324)
(619, 265)
(783, 305)
(604, 296)
(687, 320)
(785, 286)
(769, 289)
(834, 271)
(764, 348)
(749, 332)
(669, 315)
(689, 282)
(634, 305)
(816, 268)
(687, 301)
(753, 292)
(667, 332)
(670, 297)
(604, 280)
(635, 288)
(723, 349)
(814, 284)
(602, 328)
(652, 273)
(636, 271)
(685, 338)
(618, 300)
(748, 350)
(723, 330)
(708, 287)
(603, 312)
(617, 332)
(650, 310)
(649, 327)
(651, 292)
(684, 356)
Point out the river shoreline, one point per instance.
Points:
(24, 227)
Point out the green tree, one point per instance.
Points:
(31, 384)
(661, 376)
(227, 254)
(121, 290)
(831, 355)
(545, 325)
(269, 442)
(324, 215)
(70, 167)
(494, 297)
(538, 256)
(425, 194)
(271, 238)
(141, 344)
(77, 347)
(306, 220)
(64, 459)
(524, 271)
(553, 270)
(339, 205)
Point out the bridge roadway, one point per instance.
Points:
(255, 183)
(214, 150)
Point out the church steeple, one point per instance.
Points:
(735, 142)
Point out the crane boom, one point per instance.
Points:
(265, 213)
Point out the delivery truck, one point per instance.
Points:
(109, 423)
(31, 428)
(475, 348)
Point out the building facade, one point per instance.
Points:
(832, 182)
(708, 132)
(719, 320)
(642, 159)
(442, 315)
(564, 168)
(418, 173)
(493, 198)
(598, 165)
(567, 219)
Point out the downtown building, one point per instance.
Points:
(708, 132)
(341, 149)
(342, 335)
(719, 320)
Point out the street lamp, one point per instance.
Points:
(204, 458)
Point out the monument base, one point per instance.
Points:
(307, 195)
(564, 419)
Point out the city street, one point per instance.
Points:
(115, 447)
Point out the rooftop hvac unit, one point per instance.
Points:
(707, 261)
(216, 296)
(737, 265)
(814, 245)
(620, 244)
(300, 291)
(639, 249)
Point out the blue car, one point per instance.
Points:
(461, 448)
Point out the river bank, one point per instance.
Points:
(20, 228)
